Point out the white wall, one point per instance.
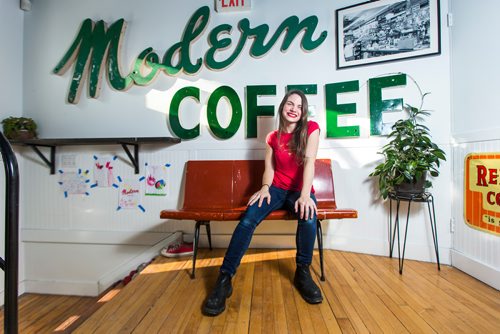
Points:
(11, 103)
(11, 58)
(51, 219)
(474, 106)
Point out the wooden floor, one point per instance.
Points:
(362, 294)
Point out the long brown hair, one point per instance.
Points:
(298, 142)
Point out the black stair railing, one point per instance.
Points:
(11, 262)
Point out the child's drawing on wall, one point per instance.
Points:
(156, 184)
(103, 171)
(129, 195)
(74, 182)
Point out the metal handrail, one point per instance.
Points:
(11, 263)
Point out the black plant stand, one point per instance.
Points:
(424, 197)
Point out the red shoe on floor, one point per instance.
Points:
(178, 249)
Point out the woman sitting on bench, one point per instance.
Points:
(287, 183)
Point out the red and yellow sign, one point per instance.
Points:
(482, 191)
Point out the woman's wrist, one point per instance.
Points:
(265, 184)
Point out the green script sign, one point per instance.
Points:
(93, 42)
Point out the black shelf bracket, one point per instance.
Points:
(51, 162)
(134, 159)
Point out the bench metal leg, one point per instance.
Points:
(196, 241)
(319, 232)
(195, 245)
(209, 235)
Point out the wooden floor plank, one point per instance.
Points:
(451, 301)
(362, 294)
(387, 294)
(332, 310)
(197, 322)
(268, 316)
(387, 269)
(383, 316)
(485, 309)
(238, 306)
(473, 286)
(213, 261)
(57, 315)
(139, 296)
(245, 275)
(326, 311)
(280, 325)
(350, 292)
(305, 320)
(257, 307)
(335, 291)
(439, 308)
(185, 295)
(291, 314)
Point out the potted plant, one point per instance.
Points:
(19, 128)
(409, 156)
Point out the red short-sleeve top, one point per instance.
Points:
(288, 172)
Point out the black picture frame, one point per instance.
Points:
(387, 30)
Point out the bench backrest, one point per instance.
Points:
(223, 184)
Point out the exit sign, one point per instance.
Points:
(223, 6)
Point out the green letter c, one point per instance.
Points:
(173, 115)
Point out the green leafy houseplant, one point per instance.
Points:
(19, 128)
(410, 154)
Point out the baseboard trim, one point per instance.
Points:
(121, 271)
(75, 288)
(20, 291)
(476, 269)
(134, 238)
(95, 288)
(420, 252)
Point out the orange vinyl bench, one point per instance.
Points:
(219, 190)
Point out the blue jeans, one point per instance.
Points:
(242, 235)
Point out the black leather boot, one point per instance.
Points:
(216, 301)
(306, 286)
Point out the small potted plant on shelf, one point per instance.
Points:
(19, 128)
(409, 156)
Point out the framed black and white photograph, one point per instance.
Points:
(387, 30)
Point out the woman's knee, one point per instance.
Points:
(249, 222)
(309, 221)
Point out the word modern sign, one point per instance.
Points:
(482, 191)
(94, 42)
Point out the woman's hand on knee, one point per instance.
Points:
(260, 196)
(305, 207)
